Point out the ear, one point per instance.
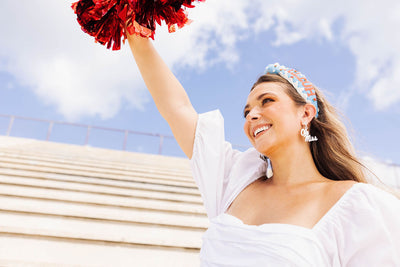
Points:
(308, 113)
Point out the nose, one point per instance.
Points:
(254, 114)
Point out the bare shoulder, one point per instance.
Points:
(343, 186)
(337, 189)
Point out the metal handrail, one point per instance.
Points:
(89, 128)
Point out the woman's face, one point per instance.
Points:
(273, 121)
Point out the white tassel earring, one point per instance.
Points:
(269, 172)
(306, 134)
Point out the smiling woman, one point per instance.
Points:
(315, 209)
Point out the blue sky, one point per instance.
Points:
(50, 69)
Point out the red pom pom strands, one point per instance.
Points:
(105, 20)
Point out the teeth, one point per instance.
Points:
(260, 130)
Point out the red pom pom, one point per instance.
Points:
(105, 20)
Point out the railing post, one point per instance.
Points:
(88, 134)
(49, 130)
(10, 125)
(125, 140)
(160, 147)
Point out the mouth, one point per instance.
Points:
(260, 130)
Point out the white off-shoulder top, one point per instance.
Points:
(361, 229)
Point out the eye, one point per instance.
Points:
(245, 114)
(267, 100)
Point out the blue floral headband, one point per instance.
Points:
(298, 80)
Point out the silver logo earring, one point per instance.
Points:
(306, 134)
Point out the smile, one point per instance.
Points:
(261, 129)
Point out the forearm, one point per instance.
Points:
(167, 92)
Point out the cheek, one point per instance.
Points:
(292, 127)
(246, 129)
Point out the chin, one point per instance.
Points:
(263, 149)
(264, 145)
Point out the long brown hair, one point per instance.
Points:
(333, 153)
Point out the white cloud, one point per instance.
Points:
(370, 31)
(46, 50)
(217, 27)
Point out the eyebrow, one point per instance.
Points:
(258, 99)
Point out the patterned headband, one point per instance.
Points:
(298, 80)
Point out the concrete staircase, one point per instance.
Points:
(66, 205)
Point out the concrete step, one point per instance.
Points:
(102, 213)
(41, 251)
(65, 167)
(101, 181)
(184, 172)
(98, 174)
(98, 189)
(87, 153)
(75, 230)
(100, 199)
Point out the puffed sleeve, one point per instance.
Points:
(212, 160)
(372, 235)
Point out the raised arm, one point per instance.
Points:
(168, 94)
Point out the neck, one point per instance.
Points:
(294, 166)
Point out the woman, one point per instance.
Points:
(314, 210)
